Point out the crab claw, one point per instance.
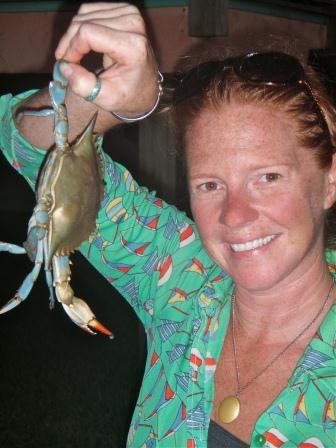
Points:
(81, 314)
(27, 284)
(12, 303)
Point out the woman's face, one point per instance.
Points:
(257, 197)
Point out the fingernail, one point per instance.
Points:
(65, 69)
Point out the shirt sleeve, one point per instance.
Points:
(141, 245)
(24, 158)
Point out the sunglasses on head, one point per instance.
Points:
(270, 68)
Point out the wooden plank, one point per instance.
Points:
(157, 156)
(271, 9)
(208, 18)
(331, 33)
(327, 8)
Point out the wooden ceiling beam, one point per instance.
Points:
(208, 18)
(318, 7)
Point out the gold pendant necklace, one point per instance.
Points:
(229, 407)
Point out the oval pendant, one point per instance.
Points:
(229, 409)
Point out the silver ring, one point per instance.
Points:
(95, 91)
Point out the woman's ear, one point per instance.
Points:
(330, 198)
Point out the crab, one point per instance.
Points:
(68, 196)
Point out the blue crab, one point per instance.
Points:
(68, 197)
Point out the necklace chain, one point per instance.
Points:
(241, 388)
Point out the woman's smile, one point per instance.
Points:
(252, 244)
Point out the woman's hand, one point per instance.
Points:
(129, 76)
(128, 80)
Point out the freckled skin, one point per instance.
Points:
(231, 155)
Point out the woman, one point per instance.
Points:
(239, 309)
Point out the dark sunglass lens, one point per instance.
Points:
(270, 68)
(195, 80)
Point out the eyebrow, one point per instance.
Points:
(253, 168)
(201, 175)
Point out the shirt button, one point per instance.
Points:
(259, 440)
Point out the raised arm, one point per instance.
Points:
(128, 75)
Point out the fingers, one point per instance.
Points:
(111, 10)
(117, 32)
(112, 92)
(86, 8)
(82, 81)
(126, 47)
(107, 15)
(80, 34)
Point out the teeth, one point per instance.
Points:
(252, 244)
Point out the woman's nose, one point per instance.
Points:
(238, 210)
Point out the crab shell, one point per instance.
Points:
(71, 180)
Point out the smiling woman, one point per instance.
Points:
(258, 134)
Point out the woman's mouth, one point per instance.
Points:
(251, 245)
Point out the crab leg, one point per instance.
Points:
(81, 314)
(11, 248)
(48, 276)
(77, 309)
(27, 284)
(36, 231)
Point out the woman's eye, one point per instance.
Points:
(209, 186)
(270, 177)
